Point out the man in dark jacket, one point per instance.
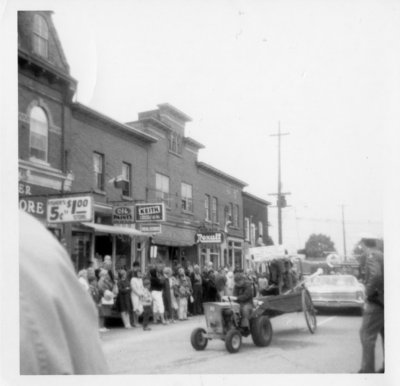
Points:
(243, 291)
(373, 317)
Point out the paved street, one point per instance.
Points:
(334, 348)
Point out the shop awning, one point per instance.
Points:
(175, 237)
(115, 230)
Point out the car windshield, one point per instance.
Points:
(335, 280)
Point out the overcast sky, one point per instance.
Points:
(326, 70)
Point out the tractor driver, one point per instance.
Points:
(243, 291)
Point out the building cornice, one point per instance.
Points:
(219, 173)
(43, 66)
(194, 143)
(121, 126)
(255, 198)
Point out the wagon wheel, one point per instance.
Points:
(309, 310)
(261, 331)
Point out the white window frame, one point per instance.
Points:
(187, 197)
(40, 36)
(247, 229)
(127, 174)
(252, 234)
(214, 210)
(98, 170)
(39, 132)
(162, 189)
(207, 203)
(235, 215)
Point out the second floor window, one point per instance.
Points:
(98, 167)
(38, 137)
(247, 229)
(235, 215)
(187, 199)
(214, 210)
(162, 189)
(252, 234)
(126, 173)
(207, 207)
(40, 36)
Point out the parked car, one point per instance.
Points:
(336, 291)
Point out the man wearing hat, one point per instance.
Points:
(243, 292)
(373, 317)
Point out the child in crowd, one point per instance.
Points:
(146, 300)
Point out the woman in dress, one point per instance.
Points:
(136, 296)
(123, 302)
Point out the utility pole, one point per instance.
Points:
(281, 199)
(344, 235)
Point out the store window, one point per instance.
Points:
(162, 189)
(209, 254)
(40, 36)
(98, 167)
(127, 175)
(214, 210)
(80, 253)
(235, 254)
(39, 130)
(207, 207)
(187, 199)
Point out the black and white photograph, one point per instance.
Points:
(203, 190)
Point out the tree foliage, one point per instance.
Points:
(318, 245)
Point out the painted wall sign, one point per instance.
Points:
(123, 215)
(149, 212)
(70, 209)
(36, 206)
(209, 238)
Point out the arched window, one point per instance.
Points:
(40, 36)
(39, 129)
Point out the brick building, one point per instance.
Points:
(200, 199)
(45, 90)
(69, 150)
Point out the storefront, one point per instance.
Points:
(210, 247)
(175, 245)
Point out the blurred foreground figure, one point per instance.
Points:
(373, 316)
(58, 320)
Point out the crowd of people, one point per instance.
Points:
(167, 294)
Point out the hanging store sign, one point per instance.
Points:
(70, 209)
(123, 215)
(209, 238)
(149, 212)
(150, 228)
